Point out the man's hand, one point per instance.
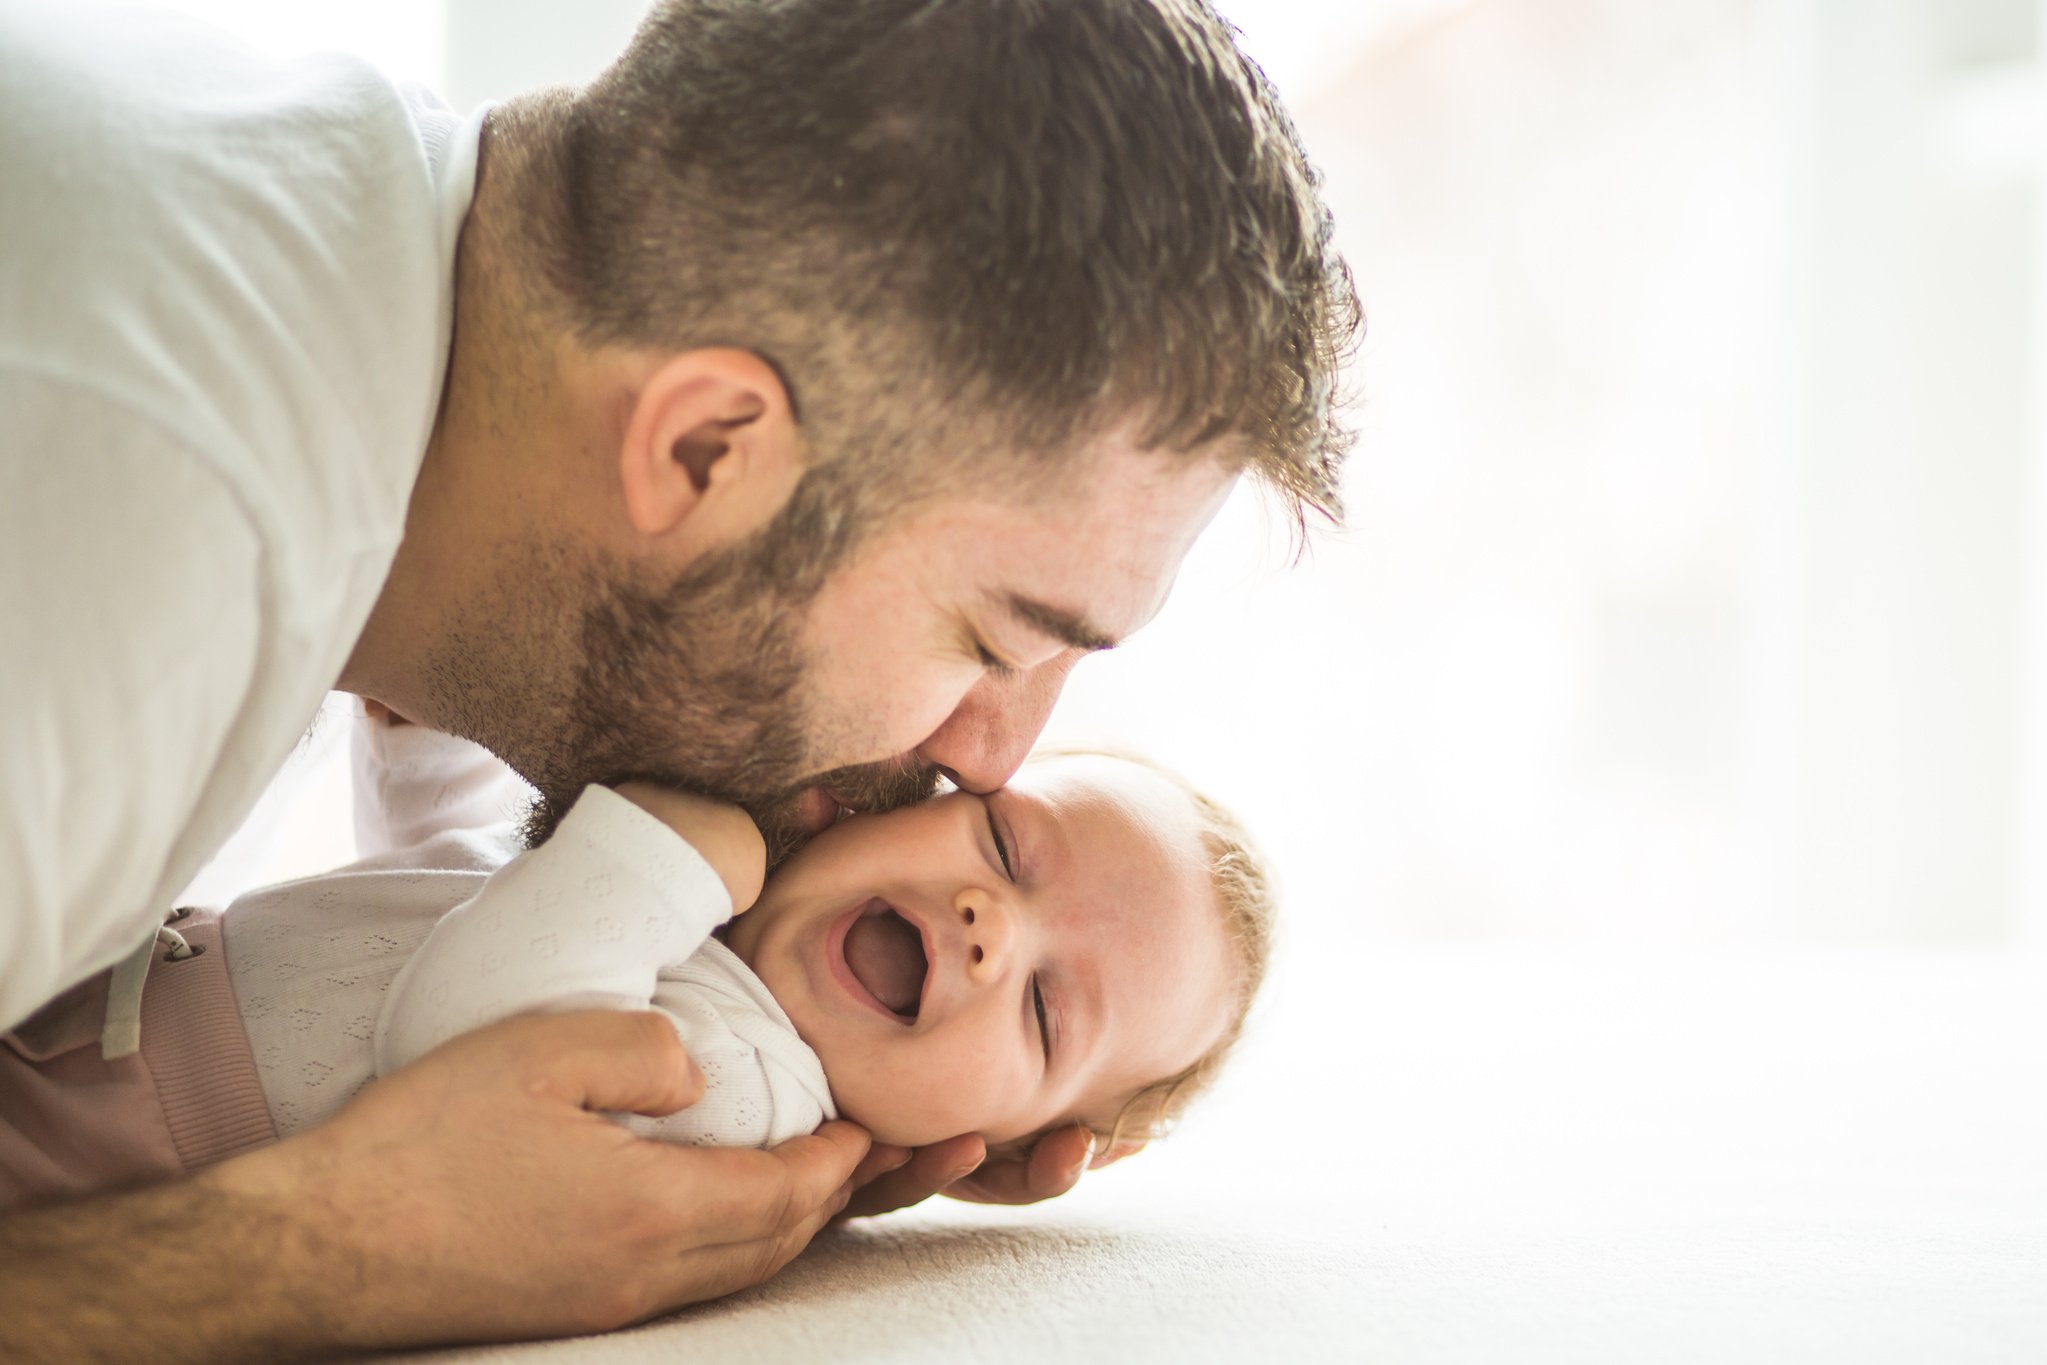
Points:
(893, 1178)
(472, 1196)
(480, 1197)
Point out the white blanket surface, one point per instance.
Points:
(1540, 1156)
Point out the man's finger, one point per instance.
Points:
(736, 1195)
(929, 1170)
(713, 1271)
(629, 1061)
(1058, 1160)
(793, 1240)
(881, 1158)
(821, 1165)
(1053, 1167)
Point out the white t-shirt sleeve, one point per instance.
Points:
(412, 784)
(585, 921)
(130, 604)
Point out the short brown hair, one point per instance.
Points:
(974, 226)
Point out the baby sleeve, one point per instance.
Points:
(762, 1083)
(585, 921)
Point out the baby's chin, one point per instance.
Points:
(887, 1123)
(881, 1122)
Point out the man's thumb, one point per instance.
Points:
(627, 1061)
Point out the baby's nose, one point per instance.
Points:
(990, 935)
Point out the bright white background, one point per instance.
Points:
(1657, 763)
(1693, 588)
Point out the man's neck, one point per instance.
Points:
(478, 627)
(479, 490)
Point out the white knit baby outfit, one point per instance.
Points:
(354, 973)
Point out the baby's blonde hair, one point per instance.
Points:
(1242, 881)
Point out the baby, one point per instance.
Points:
(1080, 946)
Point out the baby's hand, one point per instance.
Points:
(725, 835)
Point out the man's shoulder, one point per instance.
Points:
(255, 254)
(225, 301)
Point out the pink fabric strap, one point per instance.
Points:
(198, 1053)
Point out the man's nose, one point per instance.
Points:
(989, 934)
(983, 742)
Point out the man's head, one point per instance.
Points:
(942, 637)
(940, 328)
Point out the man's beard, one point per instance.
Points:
(862, 787)
(699, 685)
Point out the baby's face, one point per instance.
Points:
(998, 964)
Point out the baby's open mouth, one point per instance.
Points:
(885, 953)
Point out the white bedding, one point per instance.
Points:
(1537, 1157)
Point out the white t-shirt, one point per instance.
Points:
(226, 295)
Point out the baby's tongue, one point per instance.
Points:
(886, 953)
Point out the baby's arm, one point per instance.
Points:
(724, 836)
(584, 921)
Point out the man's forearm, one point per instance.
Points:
(477, 1195)
(196, 1270)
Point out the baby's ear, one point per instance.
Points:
(1115, 1153)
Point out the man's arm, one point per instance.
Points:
(475, 1196)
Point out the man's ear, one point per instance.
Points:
(710, 451)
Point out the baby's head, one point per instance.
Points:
(1081, 945)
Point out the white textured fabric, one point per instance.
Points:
(615, 911)
(225, 303)
(310, 962)
(412, 784)
(584, 921)
(762, 1083)
(353, 973)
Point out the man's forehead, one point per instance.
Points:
(1091, 565)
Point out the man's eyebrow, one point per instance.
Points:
(1065, 626)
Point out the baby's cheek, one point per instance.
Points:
(913, 1096)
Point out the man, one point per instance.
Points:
(782, 417)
